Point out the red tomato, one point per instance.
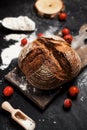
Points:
(62, 16)
(73, 91)
(8, 91)
(68, 38)
(65, 31)
(23, 42)
(67, 103)
(40, 34)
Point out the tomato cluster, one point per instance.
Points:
(66, 35)
(73, 92)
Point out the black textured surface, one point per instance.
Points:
(54, 117)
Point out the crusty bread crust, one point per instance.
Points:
(49, 62)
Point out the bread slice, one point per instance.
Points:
(49, 8)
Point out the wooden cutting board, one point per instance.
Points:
(39, 97)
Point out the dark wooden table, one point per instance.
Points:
(54, 117)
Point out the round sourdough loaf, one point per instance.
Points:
(49, 62)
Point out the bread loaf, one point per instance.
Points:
(49, 62)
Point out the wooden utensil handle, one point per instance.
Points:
(6, 106)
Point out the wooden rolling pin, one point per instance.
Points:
(21, 118)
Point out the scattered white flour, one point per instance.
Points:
(28, 124)
(82, 98)
(16, 37)
(23, 87)
(54, 122)
(51, 30)
(8, 54)
(22, 23)
(12, 52)
(32, 37)
(41, 120)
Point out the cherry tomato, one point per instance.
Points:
(65, 31)
(62, 16)
(67, 103)
(8, 91)
(40, 34)
(24, 42)
(73, 91)
(68, 38)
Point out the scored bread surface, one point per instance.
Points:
(49, 62)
